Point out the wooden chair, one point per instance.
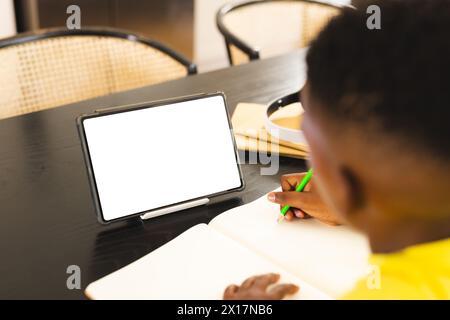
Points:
(259, 29)
(55, 67)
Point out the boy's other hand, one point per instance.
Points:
(304, 204)
(255, 288)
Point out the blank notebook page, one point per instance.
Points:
(198, 264)
(330, 258)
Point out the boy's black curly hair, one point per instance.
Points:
(396, 78)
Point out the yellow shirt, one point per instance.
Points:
(418, 272)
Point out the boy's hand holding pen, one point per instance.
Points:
(300, 199)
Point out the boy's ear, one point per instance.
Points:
(350, 195)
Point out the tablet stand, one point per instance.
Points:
(177, 207)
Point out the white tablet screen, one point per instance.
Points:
(158, 156)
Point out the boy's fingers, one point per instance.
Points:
(290, 181)
(309, 186)
(294, 212)
(248, 282)
(265, 280)
(271, 196)
(303, 200)
(289, 216)
(299, 213)
(281, 290)
(230, 291)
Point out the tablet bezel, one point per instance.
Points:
(139, 106)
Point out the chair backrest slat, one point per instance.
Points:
(268, 28)
(47, 71)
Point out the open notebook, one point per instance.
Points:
(324, 261)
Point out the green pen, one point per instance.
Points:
(301, 186)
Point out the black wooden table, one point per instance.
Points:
(47, 219)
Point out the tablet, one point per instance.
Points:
(152, 156)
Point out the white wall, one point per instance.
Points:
(7, 19)
(209, 46)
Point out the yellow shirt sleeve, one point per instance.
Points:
(418, 272)
(394, 289)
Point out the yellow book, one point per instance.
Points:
(251, 135)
